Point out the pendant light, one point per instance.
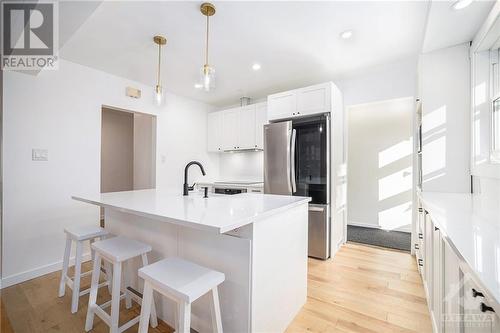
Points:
(158, 93)
(207, 72)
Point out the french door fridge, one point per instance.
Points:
(297, 162)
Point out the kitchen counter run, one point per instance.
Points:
(472, 224)
(217, 213)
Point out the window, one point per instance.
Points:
(495, 155)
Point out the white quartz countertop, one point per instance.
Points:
(217, 213)
(472, 224)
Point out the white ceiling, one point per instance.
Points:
(447, 27)
(297, 43)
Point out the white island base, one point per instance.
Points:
(265, 263)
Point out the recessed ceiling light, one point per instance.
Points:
(346, 34)
(256, 67)
(198, 85)
(461, 4)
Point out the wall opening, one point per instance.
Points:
(128, 150)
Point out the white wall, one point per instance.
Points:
(242, 166)
(385, 82)
(444, 84)
(379, 166)
(61, 111)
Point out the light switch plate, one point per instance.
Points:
(39, 154)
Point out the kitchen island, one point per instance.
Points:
(258, 241)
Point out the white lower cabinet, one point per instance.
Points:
(476, 319)
(451, 291)
(457, 303)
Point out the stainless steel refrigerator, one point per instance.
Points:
(297, 162)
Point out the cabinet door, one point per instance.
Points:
(476, 321)
(214, 132)
(282, 105)
(437, 278)
(230, 128)
(260, 121)
(421, 240)
(314, 99)
(428, 261)
(246, 132)
(451, 291)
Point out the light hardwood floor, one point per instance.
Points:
(363, 289)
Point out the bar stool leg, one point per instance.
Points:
(147, 300)
(109, 275)
(92, 254)
(94, 286)
(64, 273)
(176, 318)
(76, 279)
(215, 309)
(153, 318)
(115, 297)
(184, 317)
(126, 282)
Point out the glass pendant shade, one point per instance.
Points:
(208, 77)
(158, 95)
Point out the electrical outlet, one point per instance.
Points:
(39, 154)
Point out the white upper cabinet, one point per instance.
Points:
(282, 105)
(260, 121)
(314, 99)
(239, 128)
(246, 132)
(214, 137)
(230, 129)
(301, 102)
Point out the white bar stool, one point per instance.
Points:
(184, 282)
(116, 251)
(79, 235)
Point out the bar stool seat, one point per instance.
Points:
(79, 235)
(86, 232)
(116, 251)
(184, 282)
(119, 249)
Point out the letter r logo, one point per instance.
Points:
(28, 28)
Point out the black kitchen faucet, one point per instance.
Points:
(188, 188)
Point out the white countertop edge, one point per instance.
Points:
(195, 225)
(436, 215)
(232, 185)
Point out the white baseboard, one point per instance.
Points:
(37, 272)
(364, 225)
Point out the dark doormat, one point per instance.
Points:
(392, 239)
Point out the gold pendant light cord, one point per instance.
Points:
(206, 53)
(159, 63)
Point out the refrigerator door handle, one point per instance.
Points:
(292, 161)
